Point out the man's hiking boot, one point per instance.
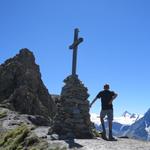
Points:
(111, 138)
(104, 136)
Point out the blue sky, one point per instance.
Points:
(115, 49)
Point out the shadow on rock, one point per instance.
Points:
(72, 144)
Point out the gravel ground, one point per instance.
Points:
(121, 144)
(95, 144)
(100, 144)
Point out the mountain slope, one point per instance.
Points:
(141, 128)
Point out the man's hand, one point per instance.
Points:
(113, 99)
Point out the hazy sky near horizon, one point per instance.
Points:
(116, 47)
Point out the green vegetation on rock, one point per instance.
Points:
(96, 133)
(20, 138)
(3, 114)
(57, 148)
(13, 139)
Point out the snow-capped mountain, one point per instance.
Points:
(121, 124)
(126, 114)
(128, 125)
(126, 118)
(95, 118)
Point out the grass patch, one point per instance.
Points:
(57, 148)
(22, 138)
(13, 140)
(3, 114)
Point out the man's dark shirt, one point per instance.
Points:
(106, 97)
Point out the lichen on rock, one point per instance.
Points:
(3, 114)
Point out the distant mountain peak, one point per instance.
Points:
(133, 116)
(137, 116)
(126, 114)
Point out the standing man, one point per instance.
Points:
(107, 98)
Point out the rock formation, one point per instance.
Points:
(72, 119)
(21, 87)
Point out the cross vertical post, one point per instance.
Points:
(74, 46)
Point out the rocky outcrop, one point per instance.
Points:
(72, 119)
(17, 132)
(21, 87)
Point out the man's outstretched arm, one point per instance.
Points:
(93, 101)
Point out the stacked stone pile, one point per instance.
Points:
(72, 118)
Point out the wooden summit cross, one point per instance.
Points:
(74, 46)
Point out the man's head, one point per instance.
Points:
(106, 87)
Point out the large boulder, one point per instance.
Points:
(21, 87)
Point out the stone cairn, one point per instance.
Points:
(72, 119)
